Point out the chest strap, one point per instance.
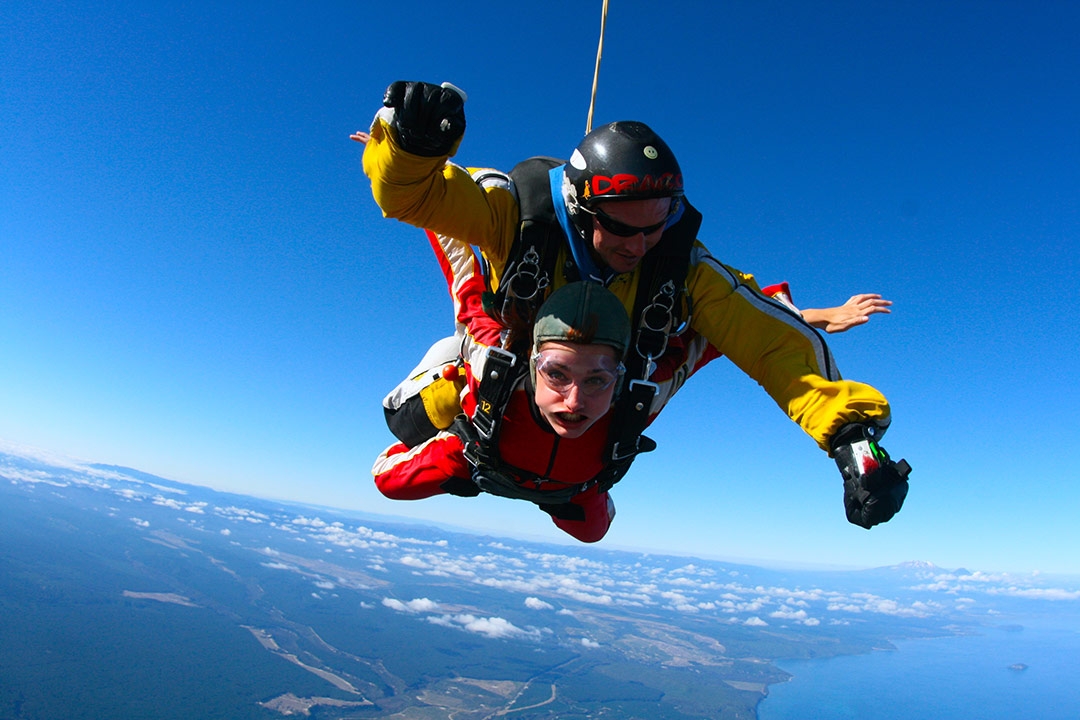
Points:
(661, 308)
(480, 435)
(480, 439)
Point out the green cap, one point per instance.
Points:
(585, 313)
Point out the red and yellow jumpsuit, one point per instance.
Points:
(528, 448)
(766, 340)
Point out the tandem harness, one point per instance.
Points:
(661, 307)
(480, 438)
(502, 372)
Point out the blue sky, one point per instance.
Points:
(195, 281)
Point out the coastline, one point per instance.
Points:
(954, 676)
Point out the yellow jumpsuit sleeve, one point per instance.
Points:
(438, 195)
(787, 357)
(784, 355)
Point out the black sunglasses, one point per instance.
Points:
(617, 227)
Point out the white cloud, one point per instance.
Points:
(1021, 586)
(515, 584)
(581, 596)
(891, 607)
(742, 607)
(755, 622)
(867, 602)
(168, 502)
(787, 613)
(586, 642)
(1036, 593)
(309, 522)
(246, 512)
(492, 627)
(413, 606)
(534, 603)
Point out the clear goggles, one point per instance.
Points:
(561, 372)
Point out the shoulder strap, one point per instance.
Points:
(530, 264)
(480, 435)
(501, 373)
(661, 306)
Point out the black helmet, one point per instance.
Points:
(619, 161)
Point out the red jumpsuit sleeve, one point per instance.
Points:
(413, 474)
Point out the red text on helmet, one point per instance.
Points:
(627, 184)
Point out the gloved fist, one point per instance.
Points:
(428, 119)
(874, 486)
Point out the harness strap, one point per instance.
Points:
(480, 435)
(480, 438)
(493, 392)
(661, 308)
(488, 476)
(625, 440)
(614, 471)
(530, 265)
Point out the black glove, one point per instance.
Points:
(874, 486)
(428, 119)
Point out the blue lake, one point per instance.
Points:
(956, 677)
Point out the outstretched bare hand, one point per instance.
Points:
(856, 311)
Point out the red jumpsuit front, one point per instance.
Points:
(529, 449)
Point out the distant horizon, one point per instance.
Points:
(555, 538)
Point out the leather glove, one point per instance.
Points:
(428, 119)
(874, 486)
